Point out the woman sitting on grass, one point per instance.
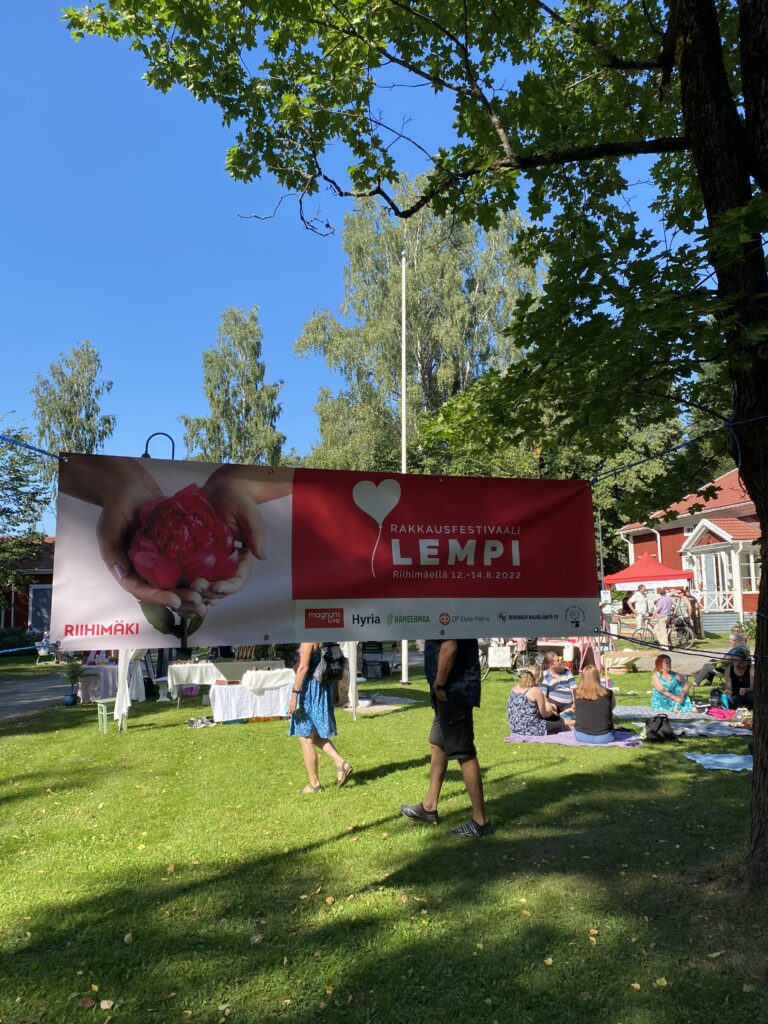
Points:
(528, 711)
(594, 708)
(670, 691)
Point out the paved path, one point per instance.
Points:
(36, 694)
(686, 662)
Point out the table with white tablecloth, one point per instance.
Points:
(97, 681)
(206, 673)
(203, 673)
(102, 679)
(262, 694)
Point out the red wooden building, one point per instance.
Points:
(30, 606)
(719, 542)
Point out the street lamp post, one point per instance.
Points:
(403, 453)
(158, 433)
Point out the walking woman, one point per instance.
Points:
(312, 716)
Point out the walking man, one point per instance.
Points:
(453, 674)
(662, 613)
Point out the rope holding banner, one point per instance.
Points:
(29, 447)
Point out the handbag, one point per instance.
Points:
(659, 729)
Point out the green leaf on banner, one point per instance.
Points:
(160, 618)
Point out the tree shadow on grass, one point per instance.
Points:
(259, 936)
(25, 786)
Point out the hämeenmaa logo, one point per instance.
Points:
(399, 620)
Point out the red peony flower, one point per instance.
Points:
(180, 539)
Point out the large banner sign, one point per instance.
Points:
(152, 553)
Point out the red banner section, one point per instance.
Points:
(382, 536)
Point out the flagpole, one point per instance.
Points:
(403, 454)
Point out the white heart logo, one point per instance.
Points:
(376, 500)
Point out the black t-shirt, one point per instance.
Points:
(594, 717)
(739, 683)
(463, 683)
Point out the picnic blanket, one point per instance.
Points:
(712, 728)
(645, 711)
(380, 704)
(624, 738)
(724, 762)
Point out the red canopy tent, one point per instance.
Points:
(650, 571)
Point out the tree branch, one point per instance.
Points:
(580, 154)
(474, 85)
(525, 162)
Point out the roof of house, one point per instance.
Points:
(731, 492)
(739, 529)
(41, 562)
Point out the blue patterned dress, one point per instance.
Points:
(523, 716)
(314, 705)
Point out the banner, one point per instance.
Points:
(153, 553)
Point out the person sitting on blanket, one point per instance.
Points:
(529, 712)
(670, 691)
(737, 677)
(558, 681)
(594, 705)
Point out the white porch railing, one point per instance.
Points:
(717, 601)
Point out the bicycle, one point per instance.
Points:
(679, 634)
(526, 659)
(485, 667)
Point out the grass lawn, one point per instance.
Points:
(14, 667)
(179, 875)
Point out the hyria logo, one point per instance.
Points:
(366, 620)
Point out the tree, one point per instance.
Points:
(244, 410)
(22, 496)
(644, 288)
(461, 289)
(67, 406)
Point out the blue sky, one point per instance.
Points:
(120, 224)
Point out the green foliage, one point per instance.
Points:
(537, 94)
(68, 406)
(244, 410)
(16, 637)
(22, 500)
(461, 289)
(72, 672)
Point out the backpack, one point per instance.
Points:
(659, 730)
(331, 667)
(716, 699)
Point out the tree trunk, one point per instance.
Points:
(726, 155)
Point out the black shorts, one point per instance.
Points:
(453, 730)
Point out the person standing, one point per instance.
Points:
(312, 716)
(453, 673)
(639, 605)
(662, 613)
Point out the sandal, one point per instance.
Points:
(313, 789)
(342, 774)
